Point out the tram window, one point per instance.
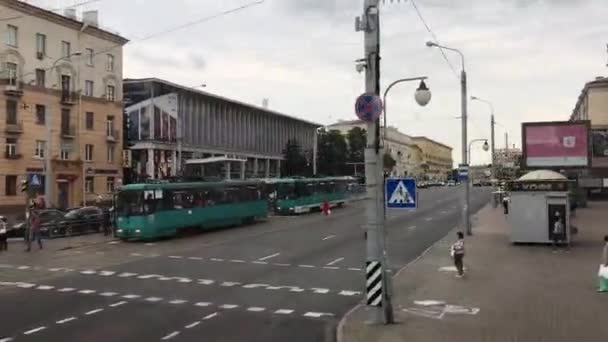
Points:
(130, 203)
(341, 187)
(286, 191)
(303, 189)
(149, 202)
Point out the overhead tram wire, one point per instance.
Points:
(428, 28)
(52, 10)
(180, 27)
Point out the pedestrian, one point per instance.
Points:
(325, 208)
(558, 231)
(3, 234)
(505, 204)
(603, 274)
(34, 231)
(457, 252)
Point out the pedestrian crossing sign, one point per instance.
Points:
(400, 193)
(35, 180)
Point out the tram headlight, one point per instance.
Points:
(137, 231)
(119, 231)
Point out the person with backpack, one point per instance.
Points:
(34, 233)
(457, 252)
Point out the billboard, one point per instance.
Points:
(599, 138)
(556, 144)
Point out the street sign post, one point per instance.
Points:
(463, 172)
(401, 193)
(368, 107)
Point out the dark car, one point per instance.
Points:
(50, 220)
(57, 223)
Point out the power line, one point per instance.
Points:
(428, 28)
(52, 10)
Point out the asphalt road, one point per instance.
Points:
(287, 279)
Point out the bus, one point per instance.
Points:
(150, 211)
(301, 195)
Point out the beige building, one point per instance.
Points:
(61, 81)
(437, 161)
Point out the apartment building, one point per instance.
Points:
(61, 87)
(437, 160)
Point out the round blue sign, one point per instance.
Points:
(368, 107)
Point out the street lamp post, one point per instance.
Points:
(463, 89)
(492, 137)
(486, 147)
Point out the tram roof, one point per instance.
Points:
(187, 185)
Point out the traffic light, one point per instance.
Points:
(24, 185)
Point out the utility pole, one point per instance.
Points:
(463, 88)
(506, 141)
(374, 170)
(492, 124)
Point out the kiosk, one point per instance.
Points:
(537, 200)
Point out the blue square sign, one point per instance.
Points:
(400, 193)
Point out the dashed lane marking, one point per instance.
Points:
(428, 219)
(170, 336)
(108, 294)
(306, 266)
(178, 301)
(256, 309)
(153, 299)
(210, 316)
(334, 262)
(317, 314)
(269, 256)
(192, 325)
(87, 291)
(228, 306)
(33, 331)
(411, 227)
(118, 304)
(6, 339)
(284, 312)
(66, 320)
(328, 237)
(92, 312)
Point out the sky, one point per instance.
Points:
(529, 58)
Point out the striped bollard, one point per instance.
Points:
(373, 276)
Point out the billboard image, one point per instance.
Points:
(556, 144)
(599, 137)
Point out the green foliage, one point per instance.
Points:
(295, 163)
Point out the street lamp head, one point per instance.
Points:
(423, 94)
(431, 44)
(486, 147)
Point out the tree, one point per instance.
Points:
(389, 163)
(357, 139)
(333, 152)
(295, 162)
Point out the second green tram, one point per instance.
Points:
(148, 211)
(301, 195)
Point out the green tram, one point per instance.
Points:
(301, 195)
(149, 211)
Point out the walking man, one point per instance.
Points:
(3, 234)
(603, 274)
(34, 231)
(558, 231)
(457, 251)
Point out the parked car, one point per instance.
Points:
(422, 185)
(56, 223)
(50, 220)
(452, 183)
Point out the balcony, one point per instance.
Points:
(13, 90)
(68, 98)
(12, 156)
(112, 135)
(68, 131)
(14, 127)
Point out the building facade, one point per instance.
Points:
(176, 130)
(61, 82)
(592, 105)
(437, 160)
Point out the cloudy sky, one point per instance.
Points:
(530, 58)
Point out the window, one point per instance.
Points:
(40, 149)
(11, 147)
(11, 112)
(40, 45)
(89, 185)
(89, 120)
(110, 184)
(40, 77)
(110, 154)
(10, 186)
(40, 114)
(65, 152)
(90, 55)
(11, 35)
(88, 88)
(65, 122)
(110, 93)
(110, 126)
(88, 152)
(110, 66)
(66, 49)
(11, 73)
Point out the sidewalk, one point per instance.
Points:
(511, 293)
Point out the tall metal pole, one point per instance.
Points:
(315, 150)
(374, 174)
(465, 206)
(506, 141)
(492, 124)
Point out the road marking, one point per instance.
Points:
(131, 296)
(259, 262)
(355, 269)
(175, 257)
(283, 312)
(335, 261)
(153, 299)
(106, 273)
(349, 293)
(317, 314)
(321, 291)
(203, 304)
(269, 256)
(428, 219)
(228, 306)
(66, 320)
(108, 294)
(118, 304)
(230, 283)
(26, 285)
(87, 291)
(331, 268)
(178, 301)
(66, 289)
(33, 331)
(7, 339)
(45, 287)
(411, 227)
(136, 254)
(192, 325)
(253, 286)
(195, 258)
(306, 266)
(210, 316)
(88, 272)
(328, 237)
(238, 261)
(150, 244)
(127, 274)
(170, 336)
(216, 259)
(113, 242)
(206, 281)
(444, 212)
(92, 312)
(23, 267)
(282, 265)
(256, 309)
